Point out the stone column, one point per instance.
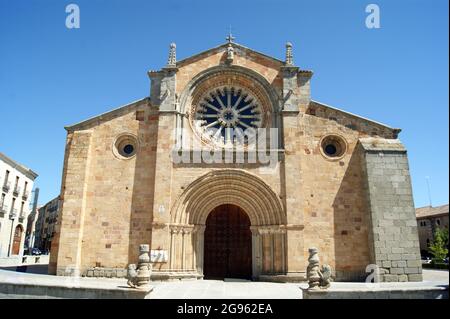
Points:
(172, 249)
(189, 248)
(177, 248)
(199, 247)
(283, 251)
(184, 233)
(256, 252)
(194, 249)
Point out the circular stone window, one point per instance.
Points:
(125, 146)
(333, 146)
(227, 113)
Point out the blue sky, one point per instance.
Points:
(51, 76)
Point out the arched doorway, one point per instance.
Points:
(228, 244)
(17, 239)
(228, 187)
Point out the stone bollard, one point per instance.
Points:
(144, 267)
(312, 272)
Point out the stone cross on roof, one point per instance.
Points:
(230, 37)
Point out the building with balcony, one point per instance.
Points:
(16, 183)
(45, 224)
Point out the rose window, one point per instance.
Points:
(226, 114)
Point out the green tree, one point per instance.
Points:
(439, 246)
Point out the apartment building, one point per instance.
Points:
(16, 183)
(45, 225)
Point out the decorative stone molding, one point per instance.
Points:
(181, 229)
(237, 187)
(270, 229)
(159, 225)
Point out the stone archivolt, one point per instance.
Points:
(229, 187)
(216, 188)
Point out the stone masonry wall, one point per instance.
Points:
(334, 205)
(107, 200)
(393, 233)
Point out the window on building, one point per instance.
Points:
(13, 204)
(25, 187)
(428, 242)
(6, 177)
(17, 182)
(2, 200)
(438, 222)
(21, 208)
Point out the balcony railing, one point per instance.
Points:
(3, 210)
(25, 195)
(6, 186)
(13, 213)
(16, 191)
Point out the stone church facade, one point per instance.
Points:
(143, 174)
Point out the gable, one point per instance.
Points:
(351, 121)
(265, 65)
(239, 50)
(104, 117)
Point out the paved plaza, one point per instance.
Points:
(203, 289)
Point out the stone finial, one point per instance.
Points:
(312, 272)
(139, 277)
(318, 278)
(289, 55)
(172, 61)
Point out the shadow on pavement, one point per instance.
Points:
(31, 269)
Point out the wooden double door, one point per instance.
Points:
(16, 240)
(228, 244)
